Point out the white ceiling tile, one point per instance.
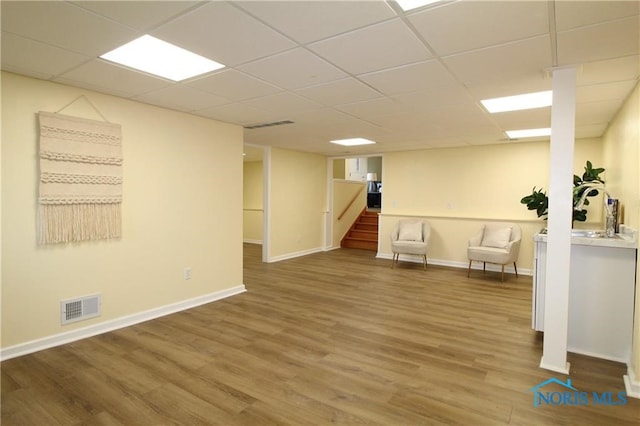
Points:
(113, 78)
(434, 98)
(515, 85)
(307, 21)
(181, 97)
(527, 119)
(234, 85)
(238, 113)
(371, 109)
(605, 91)
(591, 130)
(224, 34)
(40, 58)
(502, 63)
(597, 42)
(340, 92)
(281, 104)
(572, 14)
(428, 75)
(294, 69)
(373, 48)
(64, 25)
(596, 112)
(141, 15)
(468, 25)
(618, 69)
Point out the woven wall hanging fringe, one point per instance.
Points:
(80, 191)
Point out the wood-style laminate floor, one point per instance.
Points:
(336, 337)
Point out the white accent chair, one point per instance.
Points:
(410, 236)
(497, 242)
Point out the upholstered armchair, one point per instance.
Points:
(497, 242)
(410, 236)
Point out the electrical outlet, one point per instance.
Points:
(187, 273)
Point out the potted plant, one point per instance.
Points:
(539, 201)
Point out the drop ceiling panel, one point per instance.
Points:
(373, 48)
(612, 39)
(428, 75)
(348, 90)
(221, 32)
(370, 109)
(596, 112)
(238, 113)
(591, 130)
(294, 69)
(64, 25)
(308, 21)
(182, 97)
(36, 57)
(141, 15)
(281, 104)
(502, 63)
(234, 85)
(469, 25)
(518, 120)
(618, 69)
(112, 79)
(604, 92)
(573, 14)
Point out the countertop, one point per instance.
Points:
(627, 238)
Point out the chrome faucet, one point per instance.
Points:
(611, 219)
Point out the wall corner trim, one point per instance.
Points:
(104, 327)
(631, 384)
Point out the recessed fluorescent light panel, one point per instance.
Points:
(528, 133)
(518, 102)
(353, 142)
(414, 4)
(160, 58)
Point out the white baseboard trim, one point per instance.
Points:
(104, 327)
(631, 383)
(294, 255)
(457, 264)
(248, 241)
(552, 367)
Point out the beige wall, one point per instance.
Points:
(459, 188)
(297, 202)
(339, 168)
(182, 199)
(622, 160)
(253, 190)
(344, 192)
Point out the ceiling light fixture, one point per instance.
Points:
(518, 102)
(528, 133)
(160, 58)
(352, 142)
(407, 5)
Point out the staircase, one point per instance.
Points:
(363, 233)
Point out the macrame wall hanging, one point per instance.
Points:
(80, 191)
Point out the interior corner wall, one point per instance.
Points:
(458, 189)
(297, 203)
(182, 198)
(622, 161)
(252, 200)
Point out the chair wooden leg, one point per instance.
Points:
(393, 261)
(469, 270)
(516, 268)
(502, 277)
(484, 266)
(424, 257)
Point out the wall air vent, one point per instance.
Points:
(275, 123)
(80, 309)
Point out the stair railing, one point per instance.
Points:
(353, 200)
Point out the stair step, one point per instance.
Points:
(368, 219)
(359, 244)
(369, 235)
(366, 227)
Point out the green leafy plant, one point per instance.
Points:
(539, 201)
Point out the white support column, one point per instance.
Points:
(556, 315)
